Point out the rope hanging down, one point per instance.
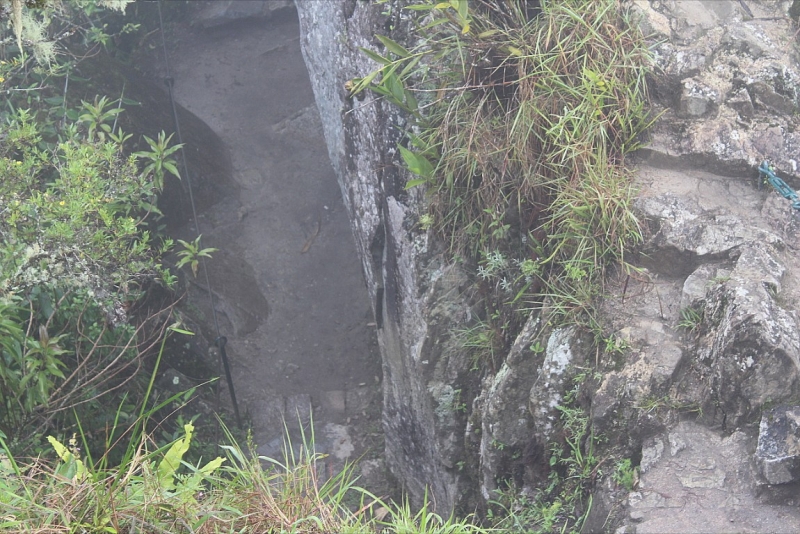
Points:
(221, 340)
(768, 172)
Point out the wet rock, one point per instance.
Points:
(740, 101)
(373, 473)
(651, 453)
(720, 120)
(696, 99)
(744, 39)
(652, 23)
(697, 284)
(226, 11)
(651, 366)
(778, 453)
(303, 125)
(696, 480)
(361, 398)
(297, 411)
(418, 300)
(632, 401)
(267, 415)
(339, 441)
(717, 49)
(333, 402)
(767, 97)
(688, 235)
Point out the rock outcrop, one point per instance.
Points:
(707, 329)
(728, 78)
(417, 298)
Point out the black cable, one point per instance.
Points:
(220, 341)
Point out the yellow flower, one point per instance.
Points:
(61, 203)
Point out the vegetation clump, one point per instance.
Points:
(156, 490)
(522, 117)
(84, 295)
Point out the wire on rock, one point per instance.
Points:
(220, 340)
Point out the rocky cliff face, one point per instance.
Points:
(417, 297)
(709, 325)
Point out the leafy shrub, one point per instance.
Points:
(73, 215)
(75, 259)
(78, 253)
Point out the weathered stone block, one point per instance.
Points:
(778, 453)
(750, 344)
(740, 101)
(297, 411)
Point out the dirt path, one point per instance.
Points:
(292, 300)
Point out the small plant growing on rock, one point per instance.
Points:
(425, 222)
(625, 474)
(191, 254)
(690, 319)
(615, 345)
(160, 158)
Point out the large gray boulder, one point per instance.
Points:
(751, 348)
(418, 299)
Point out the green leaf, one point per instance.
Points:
(416, 163)
(169, 166)
(487, 33)
(212, 466)
(434, 23)
(181, 331)
(396, 88)
(462, 6)
(409, 66)
(376, 57)
(172, 149)
(72, 468)
(415, 183)
(172, 460)
(364, 82)
(411, 101)
(393, 47)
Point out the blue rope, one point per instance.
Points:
(768, 172)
